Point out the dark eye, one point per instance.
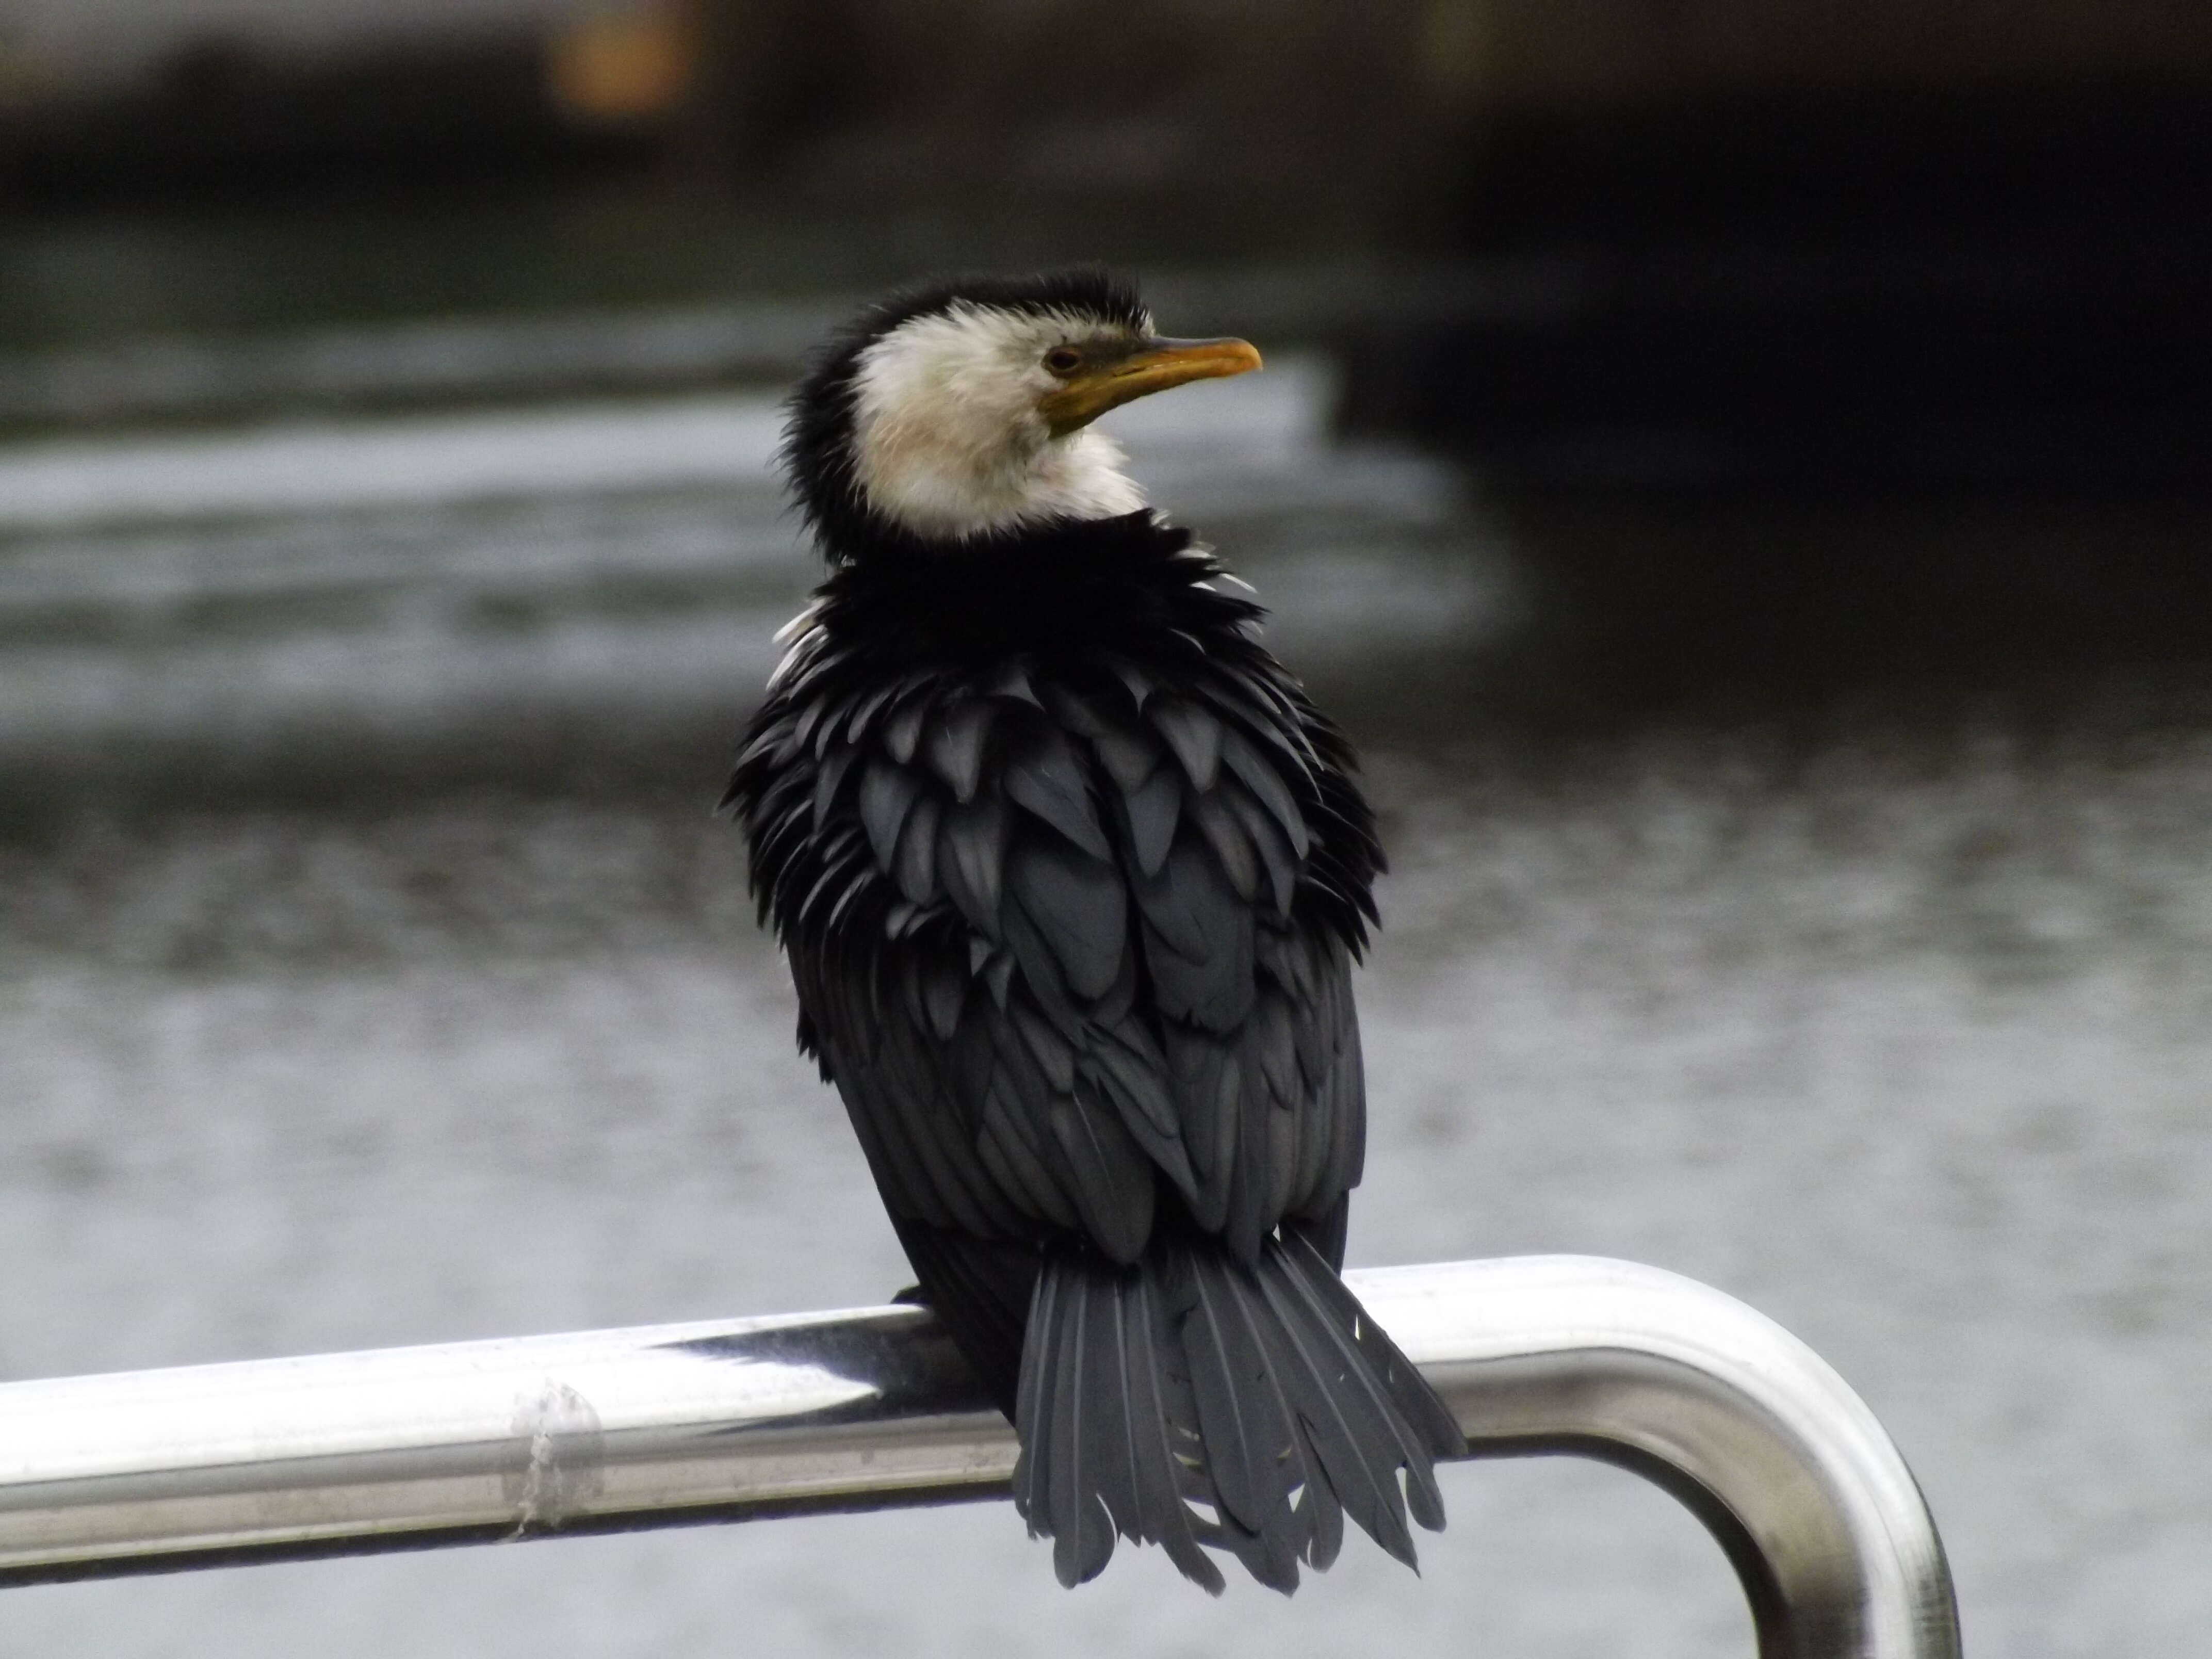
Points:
(1063, 360)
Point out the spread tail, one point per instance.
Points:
(1191, 1399)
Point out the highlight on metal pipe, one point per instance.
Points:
(673, 1424)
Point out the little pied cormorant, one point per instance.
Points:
(1070, 876)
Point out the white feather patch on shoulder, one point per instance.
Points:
(947, 439)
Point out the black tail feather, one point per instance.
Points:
(1434, 1427)
(1263, 1393)
(1254, 1449)
(1158, 1477)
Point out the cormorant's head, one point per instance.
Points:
(964, 409)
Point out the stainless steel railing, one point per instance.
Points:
(665, 1425)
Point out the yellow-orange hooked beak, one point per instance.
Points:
(1151, 366)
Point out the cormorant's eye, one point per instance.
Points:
(1063, 360)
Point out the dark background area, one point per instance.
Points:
(1880, 244)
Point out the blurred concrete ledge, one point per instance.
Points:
(461, 358)
(522, 358)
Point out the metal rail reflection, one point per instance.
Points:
(665, 1425)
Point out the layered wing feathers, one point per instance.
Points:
(1066, 938)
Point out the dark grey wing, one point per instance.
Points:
(1058, 945)
(961, 941)
(1248, 854)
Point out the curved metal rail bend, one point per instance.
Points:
(664, 1426)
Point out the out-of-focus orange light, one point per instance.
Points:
(617, 69)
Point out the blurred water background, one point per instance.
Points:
(1808, 890)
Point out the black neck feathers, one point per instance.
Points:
(1130, 586)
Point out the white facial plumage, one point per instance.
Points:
(947, 437)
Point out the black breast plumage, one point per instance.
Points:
(1070, 876)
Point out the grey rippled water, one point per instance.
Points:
(371, 972)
